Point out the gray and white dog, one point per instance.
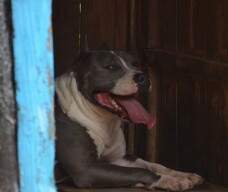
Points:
(94, 97)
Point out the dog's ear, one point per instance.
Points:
(80, 61)
(80, 58)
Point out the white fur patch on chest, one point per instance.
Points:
(102, 126)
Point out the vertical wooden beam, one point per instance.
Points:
(66, 30)
(34, 94)
(8, 160)
(153, 92)
(132, 44)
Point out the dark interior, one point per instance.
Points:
(184, 46)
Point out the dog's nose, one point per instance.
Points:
(140, 78)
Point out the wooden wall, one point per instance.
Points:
(113, 23)
(185, 43)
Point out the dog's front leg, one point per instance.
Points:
(77, 154)
(102, 174)
(170, 179)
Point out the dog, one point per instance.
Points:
(94, 98)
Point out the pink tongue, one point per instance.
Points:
(137, 113)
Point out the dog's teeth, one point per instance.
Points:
(118, 107)
(115, 104)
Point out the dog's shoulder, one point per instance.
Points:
(64, 123)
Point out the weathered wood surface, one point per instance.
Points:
(66, 30)
(192, 114)
(203, 188)
(8, 159)
(34, 76)
(190, 26)
(188, 49)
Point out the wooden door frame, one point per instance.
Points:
(34, 76)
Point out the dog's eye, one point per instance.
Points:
(111, 67)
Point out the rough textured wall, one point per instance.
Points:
(8, 165)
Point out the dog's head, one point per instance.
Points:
(112, 81)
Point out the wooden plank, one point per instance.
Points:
(197, 27)
(66, 31)
(132, 41)
(166, 110)
(191, 64)
(222, 29)
(168, 23)
(35, 89)
(200, 26)
(8, 158)
(154, 35)
(201, 118)
(204, 188)
(191, 145)
(191, 26)
(199, 113)
(185, 25)
(217, 131)
(225, 142)
(225, 45)
(100, 23)
(140, 17)
(69, 189)
(153, 98)
(199, 67)
(121, 24)
(105, 22)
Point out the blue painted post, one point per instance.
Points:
(35, 89)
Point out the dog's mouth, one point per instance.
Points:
(127, 107)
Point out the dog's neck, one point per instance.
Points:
(99, 122)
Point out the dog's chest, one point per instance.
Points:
(109, 140)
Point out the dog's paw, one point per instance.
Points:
(172, 183)
(196, 179)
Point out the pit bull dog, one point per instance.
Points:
(94, 98)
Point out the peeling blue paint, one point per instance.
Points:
(35, 89)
